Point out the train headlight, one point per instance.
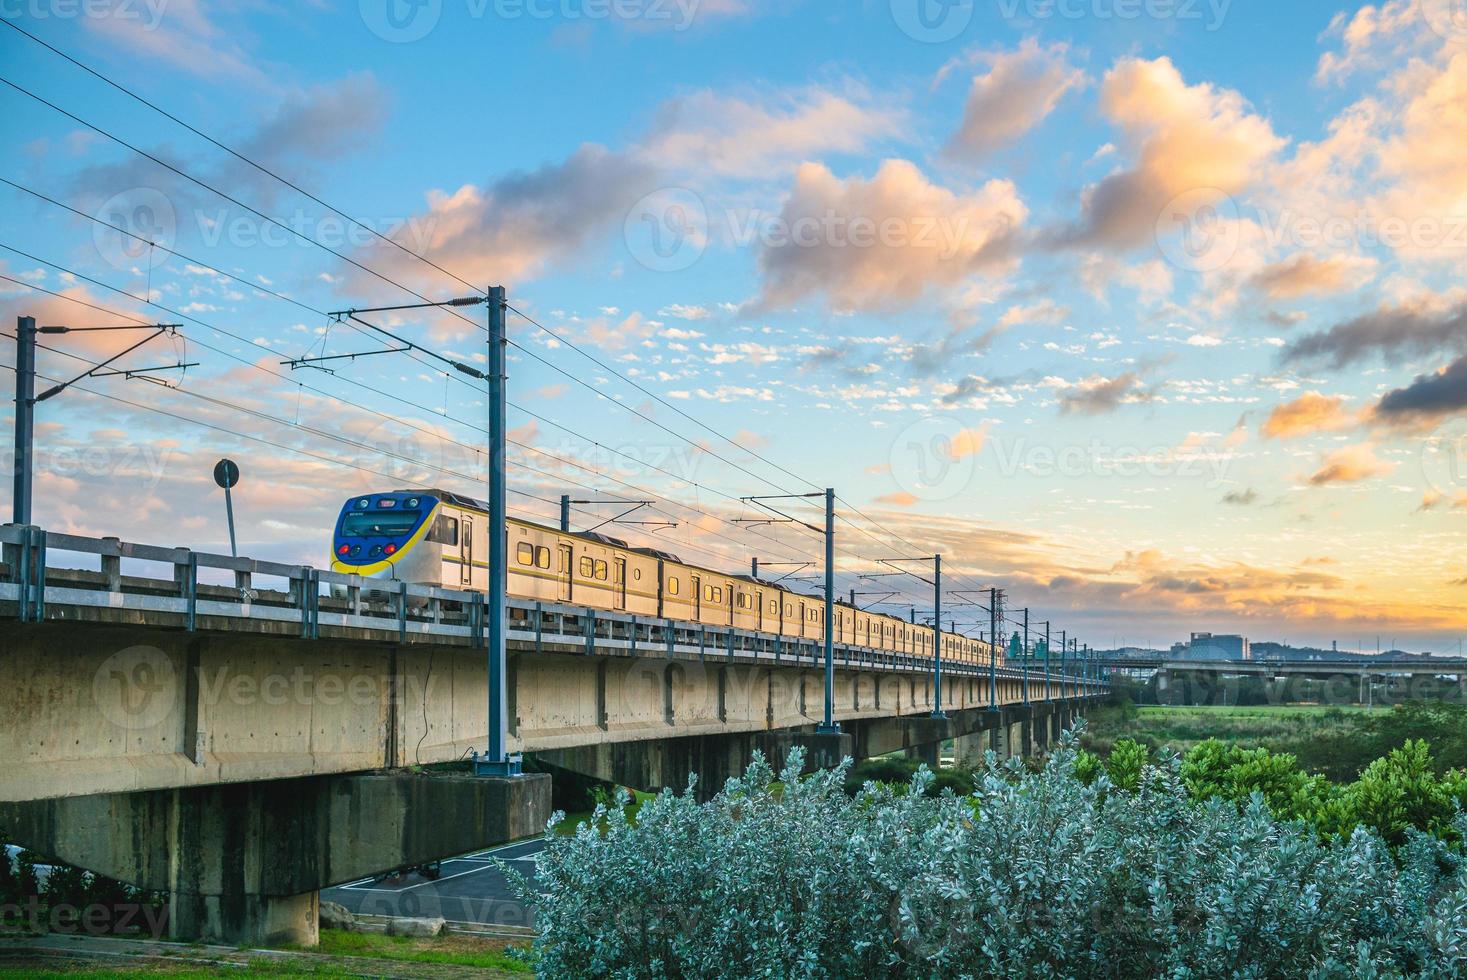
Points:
(364, 502)
(412, 502)
(390, 548)
(343, 549)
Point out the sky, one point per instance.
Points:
(1146, 311)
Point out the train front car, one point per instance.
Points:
(381, 536)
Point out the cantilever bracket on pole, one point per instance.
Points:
(636, 505)
(314, 362)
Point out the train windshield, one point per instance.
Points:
(390, 523)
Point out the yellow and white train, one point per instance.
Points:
(435, 537)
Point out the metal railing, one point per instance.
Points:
(303, 601)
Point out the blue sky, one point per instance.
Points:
(1155, 326)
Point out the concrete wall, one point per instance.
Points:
(89, 709)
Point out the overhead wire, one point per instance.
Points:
(559, 337)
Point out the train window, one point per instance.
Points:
(600, 570)
(542, 557)
(525, 553)
(637, 574)
(707, 593)
(789, 609)
(718, 594)
(672, 585)
(588, 568)
(744, 601)
(774, 605)
(444, 530)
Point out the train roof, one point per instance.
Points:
(461, 500)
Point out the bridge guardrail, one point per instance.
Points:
(313, 598)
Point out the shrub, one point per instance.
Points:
(1035, 875)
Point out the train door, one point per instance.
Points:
(563, 571)
(759, 610)
(697, 598)
(466, 551)
(804, 619)
(619, 583)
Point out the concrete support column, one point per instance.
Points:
(999, 739)
(929, 752)
(1039, 727)
(968, 750)
(654, 764)
(1026, 737)
(244, 863)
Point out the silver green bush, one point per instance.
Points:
(1035, 875)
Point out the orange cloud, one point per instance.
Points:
(898, 499)
(967, 442)
(1185, 138)
(1304, 275)
(1350, 465)
(876, 243)
(1311, 412)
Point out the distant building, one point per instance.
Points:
(1213, 646)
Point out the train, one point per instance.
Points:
(436, 537)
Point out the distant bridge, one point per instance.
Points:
(1424, 666)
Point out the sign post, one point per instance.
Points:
(226, 475)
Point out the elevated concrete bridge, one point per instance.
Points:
(241, 733)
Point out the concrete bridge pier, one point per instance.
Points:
(928, 752)
(968, 749)
(244, 863)
(653, 764)
(998, 740)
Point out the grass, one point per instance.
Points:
(572, 821)
(458, 950)
(332, 958)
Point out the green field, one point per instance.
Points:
(1180, 728)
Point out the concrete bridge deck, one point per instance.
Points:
(236, 732)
